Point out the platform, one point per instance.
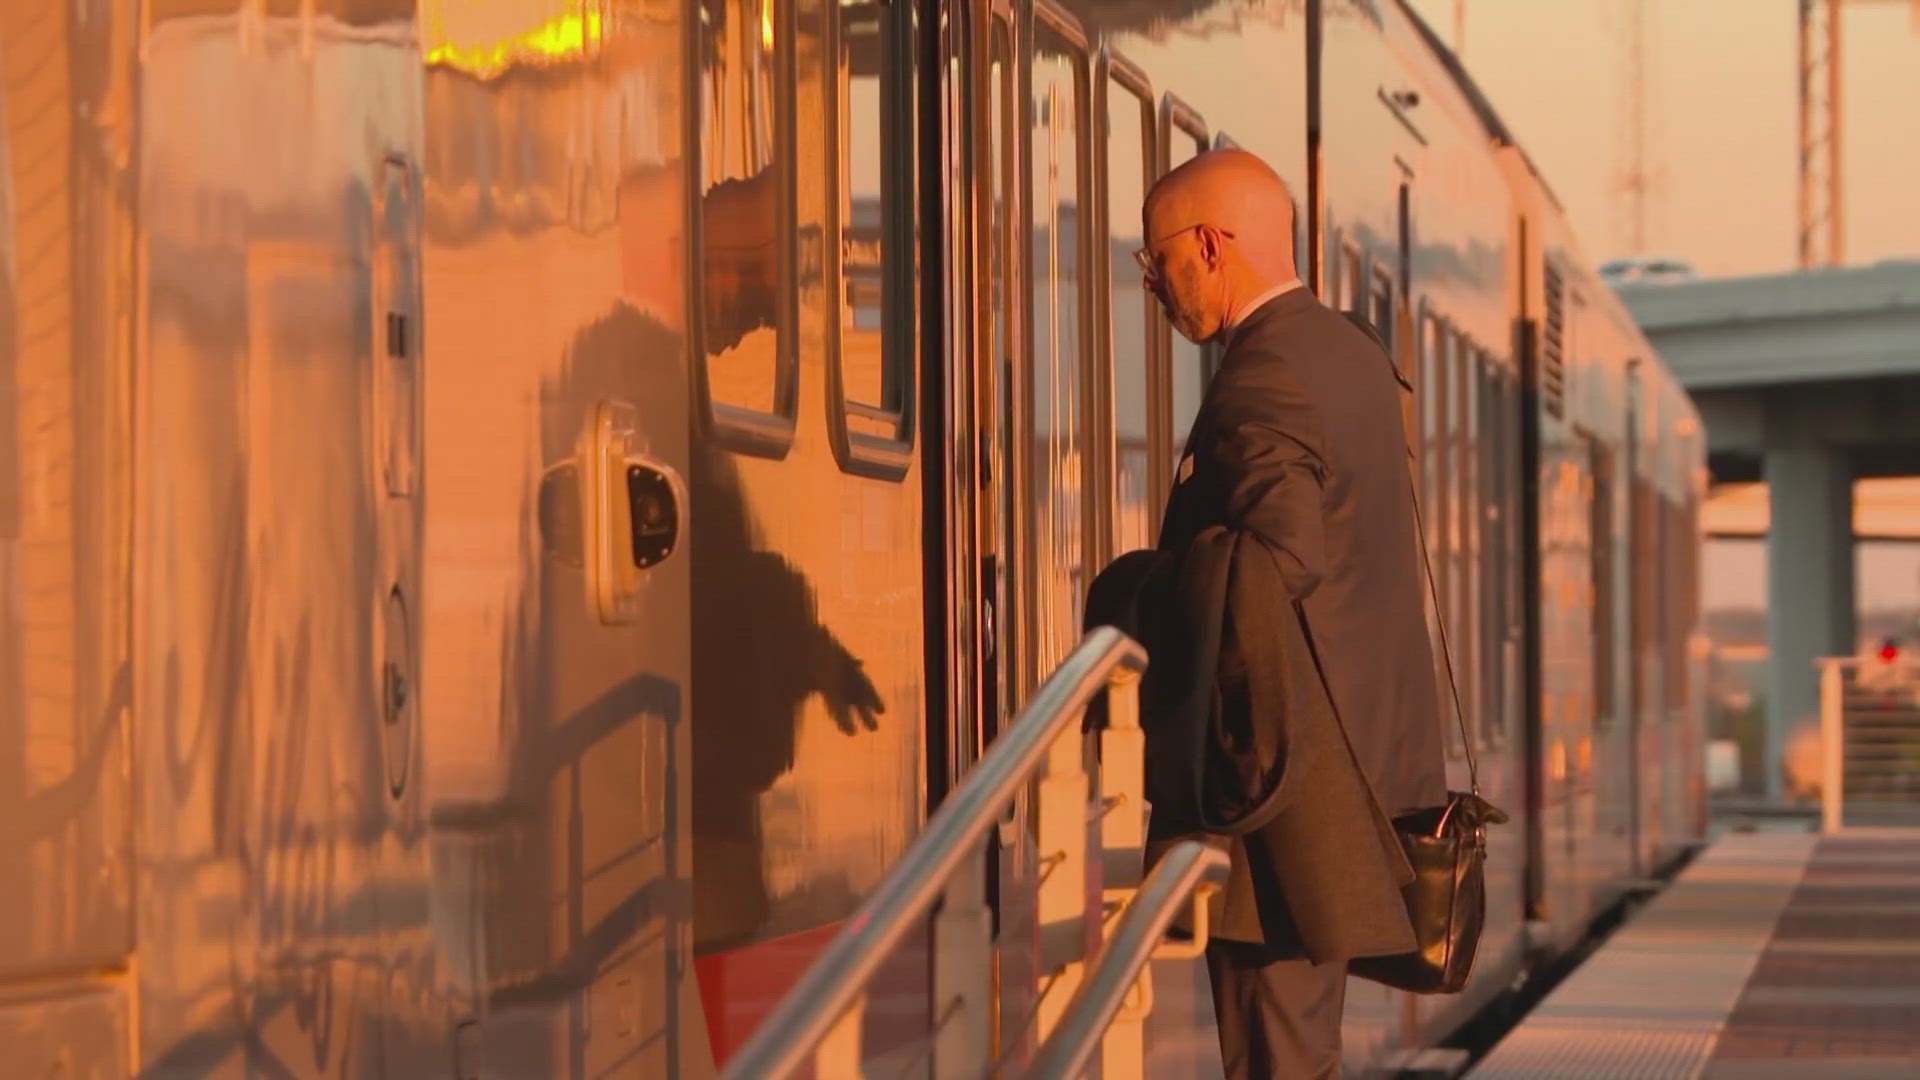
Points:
(1772, 955)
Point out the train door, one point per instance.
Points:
(1018, 115)
(985, 272)
(562, 331)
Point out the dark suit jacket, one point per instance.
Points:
(1299, 443)
(1242, 740)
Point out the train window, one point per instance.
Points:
(749, 370)
(1512, 593)
(1381, 312)
(1330, 272)
(1058, 358)
(1680, 539)
(1184, 136)
(1432, 384)
(871, 368)
(1428, 387)
(1494, 554)
(1692, 544)
(1130, 139)
(1646, 596)
(1483, 569)
(1353, 291)
(1464, 419)
(1403, 269)
(1601, 540)
(1299, 241)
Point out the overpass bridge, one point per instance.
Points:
(1806, 380)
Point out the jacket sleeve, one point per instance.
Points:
(1269, 451)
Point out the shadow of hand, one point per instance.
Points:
(851, 697)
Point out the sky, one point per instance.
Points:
(1722, 120)
(1722, 143)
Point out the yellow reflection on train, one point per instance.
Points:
(484, 39)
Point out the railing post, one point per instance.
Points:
(1062, 829)
(963, 973)
(1832, 745)
(838, 1055)
(1123, 840)
(1113, 987)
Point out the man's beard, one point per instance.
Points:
(1185, 317)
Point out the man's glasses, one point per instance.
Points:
(1149, 265)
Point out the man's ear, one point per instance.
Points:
(1210, 248)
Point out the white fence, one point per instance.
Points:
(1870, 732)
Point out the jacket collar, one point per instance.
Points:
(1291, 302)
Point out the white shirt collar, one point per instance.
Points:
(1240, 313)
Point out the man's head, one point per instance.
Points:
(1219, 231)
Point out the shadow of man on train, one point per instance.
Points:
(759, 648)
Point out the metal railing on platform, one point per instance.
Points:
(943, 873)
(1870, 735)
(1115, 988)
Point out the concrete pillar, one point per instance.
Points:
(1810, 585)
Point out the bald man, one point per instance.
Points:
(1298, 443)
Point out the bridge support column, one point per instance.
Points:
(1810, 586)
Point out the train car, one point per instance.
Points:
(512, 514)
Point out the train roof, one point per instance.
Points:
(1496, 128)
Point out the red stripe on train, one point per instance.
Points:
(739, 987)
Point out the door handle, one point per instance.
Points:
(635, 511)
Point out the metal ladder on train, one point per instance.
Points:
(1095, 1005)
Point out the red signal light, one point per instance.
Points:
(1889, 652)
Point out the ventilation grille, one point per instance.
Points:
(1553, 362)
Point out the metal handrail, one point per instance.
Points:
(831, 986)
(1189, 869)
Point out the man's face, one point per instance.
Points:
(1175, 270)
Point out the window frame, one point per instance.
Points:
(1437, 343)
(1110, 68)
(1464, 522)
(1065, 29)
(743, 429)
(1354, 260)
(1300, 253)
(1177, 115)
(1602, 574)
(1382, 287)
(860, 453)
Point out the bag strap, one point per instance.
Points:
(1426, 560)
(1440, 620)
